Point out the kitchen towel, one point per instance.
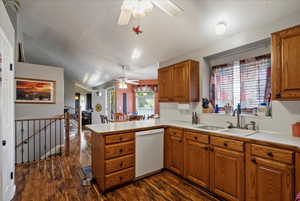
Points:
(298, 197)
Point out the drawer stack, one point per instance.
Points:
(118, 155)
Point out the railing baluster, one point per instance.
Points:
(60, 128)
(39, 139)
(45, 122)
(28, 142)
(22, 136)
(50, 139)
(55, 137)
(33, 129)
(16, 142)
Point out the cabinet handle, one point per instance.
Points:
(196, 138)
(121, 164)
(121, 150)
(121, 138)
(225, 144)
(254, 161)
(278, 95)
(206, 148)
(212, 149)
(121, 178)
(270, 154)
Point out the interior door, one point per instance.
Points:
(227, 174)
(7, 139)
(270, 180)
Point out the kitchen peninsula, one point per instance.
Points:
(229, 164)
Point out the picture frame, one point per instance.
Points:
(35, 91)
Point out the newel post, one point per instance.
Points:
(67, 134)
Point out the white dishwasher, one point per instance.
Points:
(149, 152)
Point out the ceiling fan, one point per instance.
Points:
(139, 8)
(123, 80)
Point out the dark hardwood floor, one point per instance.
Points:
(59, 179)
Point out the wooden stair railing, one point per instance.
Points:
(47, 138)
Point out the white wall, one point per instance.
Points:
(33, 71)
(98, 100)
(284, 113)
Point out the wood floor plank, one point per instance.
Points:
(59, 179)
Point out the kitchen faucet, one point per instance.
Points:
(237, 112)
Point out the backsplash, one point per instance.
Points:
(284, 115)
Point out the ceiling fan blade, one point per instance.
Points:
(168, 7)
(124, 18)
(131, 82)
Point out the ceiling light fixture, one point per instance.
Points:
(136, 53)
(221, 28)
(122, 84)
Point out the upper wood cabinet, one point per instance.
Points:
(165, 77)
(179, 82)
(286, 64)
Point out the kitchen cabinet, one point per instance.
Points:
(174, 150)
(196, 158)
(179, 82)
(270, 177)
(285, 64)
(228, 174)
(165, 77)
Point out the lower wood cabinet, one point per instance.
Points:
(174, 150)
(268, 179)
(196, 159)
(228, 174)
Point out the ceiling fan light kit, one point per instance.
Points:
(140, 8)
(221, 28)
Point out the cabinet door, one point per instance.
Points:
(174, 154)
(165, 84)
(286, 62)
(196, 162)
(181, 82)
(269, 180)
(227, 174)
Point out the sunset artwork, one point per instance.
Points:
(35, 91)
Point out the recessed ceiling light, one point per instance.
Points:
(136, 53)
(221, 28)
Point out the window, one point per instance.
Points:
(246, 82)
(145, 103)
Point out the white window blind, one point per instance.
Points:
(245, 82)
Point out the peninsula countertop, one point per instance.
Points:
(280, 139)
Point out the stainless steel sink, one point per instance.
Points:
(211, 128)
(237, 131)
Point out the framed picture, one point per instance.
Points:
(33, 91)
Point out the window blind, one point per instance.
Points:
(247, 82)
(255, 81)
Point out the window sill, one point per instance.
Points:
(243, 115)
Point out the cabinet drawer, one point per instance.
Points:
(175, 132)
(112, 151)
(112, 139)
(228, 143)
(196, 137)
(117, 164)
(118, 178)
(275, 154)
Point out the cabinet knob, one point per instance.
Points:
(121, 164)
(195, 137)
(121, 178)
(121, 150)
(121, 138)
(225, 144)
(254, 161)
(206, 148)
(270, 154)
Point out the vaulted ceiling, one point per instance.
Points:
(83, 36)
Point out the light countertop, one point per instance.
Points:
(132, 126)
